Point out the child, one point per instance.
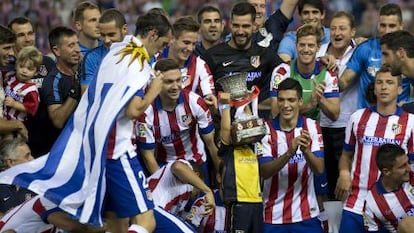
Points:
(241, 182)
(22, 96)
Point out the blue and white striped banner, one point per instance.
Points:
(72, 175)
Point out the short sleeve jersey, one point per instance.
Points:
(196, 75)
(176, 134)
(257, 62)
(289, 195)
(90, 64)
(242, 179)
(366, 131)
(365, 62)
(386, 209)
(319, 74)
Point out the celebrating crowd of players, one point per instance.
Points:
(335, 108)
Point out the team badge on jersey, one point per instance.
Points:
(255, 61)
(396, 128)
(186, 80)
(186, 119)
(43, 71)
(141, 129)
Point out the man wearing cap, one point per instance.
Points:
(291, 154)
(172, 124)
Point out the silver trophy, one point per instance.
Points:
(246, 128)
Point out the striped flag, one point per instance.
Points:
(72, 174)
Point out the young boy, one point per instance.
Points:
(241, 182)
(22, 96)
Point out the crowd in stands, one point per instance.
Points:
(220, 116)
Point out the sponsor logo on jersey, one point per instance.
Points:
(297, 158)
(255, 61)
(15, 95)
(170, 138)
(372, 70)
(377, 141)
(253, 75)
(227, 63)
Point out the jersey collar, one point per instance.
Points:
(276, 123)
(158, 103)
(316, 70)
(397, 112)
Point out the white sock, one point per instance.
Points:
(134, 228)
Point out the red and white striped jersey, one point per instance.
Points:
(196, 74)
(388, 208)
(168, 191)
(22, 92)
(365, 132)
(29, 217)
(289, 196)
(176, 134)
(213, 223)
(122, 137)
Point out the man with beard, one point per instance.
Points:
(397, 53)
(113, 28)
(240, 54)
